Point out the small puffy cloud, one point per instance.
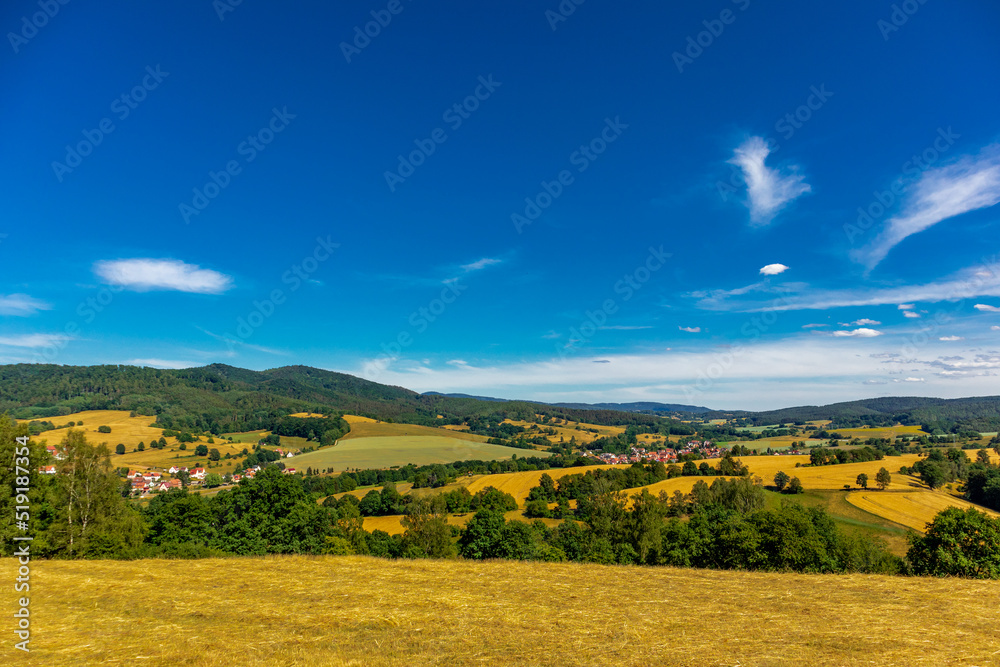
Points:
(690, 329)
(906, 306)
(950, 338)
(768, 190)
(982, 307)
(911, 314)
(858, 333)
(994, 328)
(864, 321)
(143, 275)
(21, 305)
(913, 380)
(773, 269)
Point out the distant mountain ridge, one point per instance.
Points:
(221, 397)
(640, 406)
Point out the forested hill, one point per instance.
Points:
(222, 398)
(978, 413)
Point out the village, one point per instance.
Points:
(704, 449)
(148, 481)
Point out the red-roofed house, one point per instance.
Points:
(198, 473)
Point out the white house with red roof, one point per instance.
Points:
(198, 473)
(47, 470)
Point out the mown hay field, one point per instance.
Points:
(130, 431)
(311, 611)
(914, 509)
(390, 451)
(568, 431)
(363, 427)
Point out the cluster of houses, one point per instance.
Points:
(704, 449)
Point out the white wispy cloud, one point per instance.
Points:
(906, 306)
(625, 327)
(967, 185)
(690, 329)
(162, 363)
(911, 314)
(860, 333)
(758, 375)
(950, 338)
(21, 305)
(994, 328)
(978, 281)
(143, 275)
(768, 190)
(37, 340)
(911, 379)
(986, 309)
(480, 264)
(814, 326)
(864, 321)
(773, 269)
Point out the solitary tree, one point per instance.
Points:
(795, 486)
(214, 455)
(883, 478)
(862, 481)
(983, 456)
(120, 449)
(781, 480)
(201, 450)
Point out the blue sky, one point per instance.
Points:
(737, 204)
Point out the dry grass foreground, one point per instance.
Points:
(914, 509)
(364, 611)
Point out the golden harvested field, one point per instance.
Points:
(914, 509)
(363, 427)
(393, 523)
(891, 432)
(129, 431)
(832, 476)
(567, 432)
(307, 415)
(295, 610)
(518, 484)
(682, 484)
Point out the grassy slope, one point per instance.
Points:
(385, 452)
(364, 611)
